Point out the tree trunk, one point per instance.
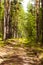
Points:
(16, 27)
(37, 20)
(6, 19)
(16, 20)
(42, 21)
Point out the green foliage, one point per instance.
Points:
(26, 24)
(1, 16)
(21, 22)
(30, 26)
(1, 11)
(25, 21)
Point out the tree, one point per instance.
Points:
(1, 17)
(15, 9)
(30, 24)
(42, 21)
(21, 23)
(37, 20)
(7, 4)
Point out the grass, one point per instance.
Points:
(23, 41)
(20, 41)
(1, 43)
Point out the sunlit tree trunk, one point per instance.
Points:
(6, 19)
(37, 20)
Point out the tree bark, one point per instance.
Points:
(37, 19)
(42, 21)
(7, 19)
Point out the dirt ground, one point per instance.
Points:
(18, 55)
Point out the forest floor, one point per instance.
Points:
(14, 54)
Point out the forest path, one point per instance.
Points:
(17, 55)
